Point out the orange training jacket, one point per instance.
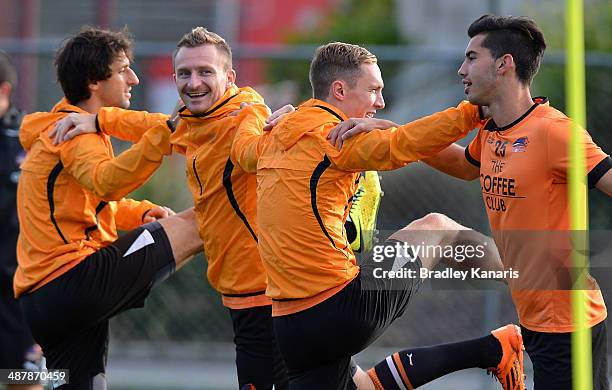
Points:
(305, 186)
(224, 195)
(70, 197)
(530, 215)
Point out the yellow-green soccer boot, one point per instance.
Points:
(361, 222)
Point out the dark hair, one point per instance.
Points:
(518, 36)
(334, 61)
(86, 58)
(200, 36)
(8, 73)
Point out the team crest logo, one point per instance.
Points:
(520, 145)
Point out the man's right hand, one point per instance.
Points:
(354, 126)
(72, 125)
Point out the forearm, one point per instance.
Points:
(246, 151)
(113, 178)
(605, 183)
(127, 125)
(452, 161)
(394, 148)
(430, 135)
(248, 141)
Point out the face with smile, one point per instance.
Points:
(115, 91)
(202, 76)
(363, 99)
(478, 72)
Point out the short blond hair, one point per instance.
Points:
(200, 36)
(337, 61)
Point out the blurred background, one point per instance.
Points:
(183, 338)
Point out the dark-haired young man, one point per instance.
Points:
(74, 273)
(526, 144)
(521, 157)
(326, 308)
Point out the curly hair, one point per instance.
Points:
(87, 57)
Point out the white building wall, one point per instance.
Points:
(425, 86)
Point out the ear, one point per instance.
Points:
(5, 89)
(94, 86)
(231, 77)
(338, 90)
(505, 64)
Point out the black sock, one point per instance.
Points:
(417, 366)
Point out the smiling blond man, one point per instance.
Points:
(224, 194)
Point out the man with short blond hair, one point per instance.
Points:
(326, 308)
(224, 194)
(337, 60)
(200, 36)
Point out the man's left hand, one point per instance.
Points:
(157, 212)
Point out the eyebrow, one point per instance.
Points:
(469, 53)
(121, 66)
(185, 69)
(202, 67)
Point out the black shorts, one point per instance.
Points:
(551, 354)
(318, 343)
(15, 339)
(258, 360)
(69, 316)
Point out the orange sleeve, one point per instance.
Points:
(474, 149)
(89, 160)
(127, 125)
(396, 147)
(178, 138)
(249, 139)
(130, 213)
(558, 133)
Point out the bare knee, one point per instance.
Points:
(184, 222)
(183, 234)
(434, 221)
(432, 229)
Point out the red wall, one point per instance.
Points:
(269, 22)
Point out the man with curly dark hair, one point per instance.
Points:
(74, 271)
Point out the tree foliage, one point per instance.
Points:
(550, 82)
(361, 22)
